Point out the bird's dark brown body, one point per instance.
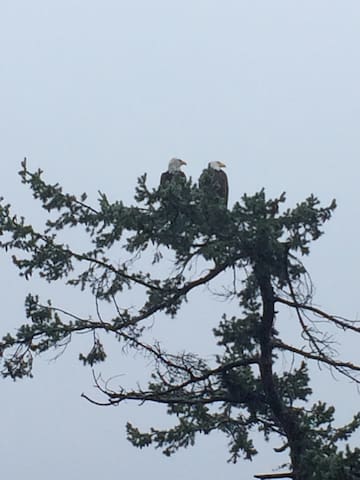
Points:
(167, 177)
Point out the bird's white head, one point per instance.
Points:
(217, 165)
(175, 164)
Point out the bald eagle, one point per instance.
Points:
(173, 172)
(214, 181)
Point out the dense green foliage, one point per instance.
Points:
(262, 242)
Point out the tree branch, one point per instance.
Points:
(321, 359)
(167, 396)
(340, 322)
(265, 476)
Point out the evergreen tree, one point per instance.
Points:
(245, 387)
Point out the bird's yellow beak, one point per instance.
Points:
(183, 162)
(222, 165)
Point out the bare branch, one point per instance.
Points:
(169, 396)
(339, 321)
(274, 475)
(340, 366)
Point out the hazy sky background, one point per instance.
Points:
(97, 93)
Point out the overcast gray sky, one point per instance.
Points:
(97, 93)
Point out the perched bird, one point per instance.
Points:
(173, 171)
(213, 181)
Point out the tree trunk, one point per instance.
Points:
(285, 416)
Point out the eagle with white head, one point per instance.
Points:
(173, 172)
(214, 181)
